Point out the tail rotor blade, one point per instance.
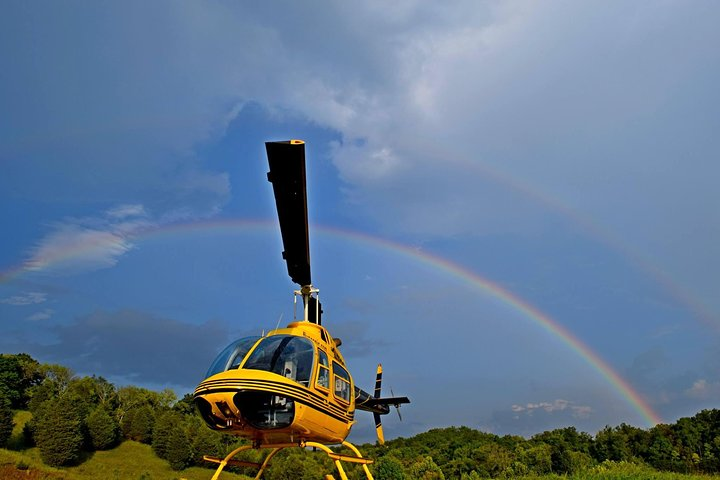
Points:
(378, 381)
(397, 405)
(287, 175)
(379, 429)
(376, 394)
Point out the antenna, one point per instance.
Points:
(279, 319)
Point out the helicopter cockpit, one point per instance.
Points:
(288, 355)
(232, 356)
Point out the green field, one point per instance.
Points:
(135, 461)
(130, 460)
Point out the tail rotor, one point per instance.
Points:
(376, 416)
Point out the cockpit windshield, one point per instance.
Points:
(232, 355)
(287, 355)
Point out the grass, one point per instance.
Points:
(621, 471)
(130, 460)
(136, 461)
(16, 439)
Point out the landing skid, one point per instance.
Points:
(336, 457)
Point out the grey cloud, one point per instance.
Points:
(357, 338)
(648, 365)
(136, 346)
(115, 109)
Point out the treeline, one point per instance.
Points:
(691, 445)
(74, 415)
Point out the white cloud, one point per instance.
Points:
(42, 315)
(73, 248)
(29, 298)
(90, 243)
(523, 109)
(125, 211)
(703, 390)
(558, 405)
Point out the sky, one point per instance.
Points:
(513, 205)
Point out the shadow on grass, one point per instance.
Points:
(18, 443)
(84, 457)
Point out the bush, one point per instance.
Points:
(138, 424)
(179, 452)
(58, 433)
(102, 428)
(6, 421)
(165, 423)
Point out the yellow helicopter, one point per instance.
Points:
(291, 387)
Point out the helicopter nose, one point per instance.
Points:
(206, 411)
(265, 410)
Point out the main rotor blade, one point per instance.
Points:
(287, 175)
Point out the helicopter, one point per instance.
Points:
(290, 387)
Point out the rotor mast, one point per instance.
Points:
(287, 175)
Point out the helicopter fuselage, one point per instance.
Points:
(289, 386)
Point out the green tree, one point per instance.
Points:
(611, 444)
(471, 476)
(494, 459)
(179, 452)
(102, 429)
(710, 460)
(6, 420)
(131, 398)
(18, 373)
(537, 457)
(56, 380)
(139, 425)
(58, 433)
(82, 392)
(426, 469)
(206, 441)
(297, 464)
(388, 468)
(165, 423)
(185, 405)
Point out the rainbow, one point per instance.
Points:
(621, 386)
(590, 227)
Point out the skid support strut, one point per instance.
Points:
(275, 448)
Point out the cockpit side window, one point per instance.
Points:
(342, 382)
(323, 378)
(287, 355)
(232, 356)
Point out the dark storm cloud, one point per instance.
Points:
(676, 389)
(647, 365)
(138, 346)
(358, 340)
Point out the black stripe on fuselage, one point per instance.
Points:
(260, 385)
(291, 392)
